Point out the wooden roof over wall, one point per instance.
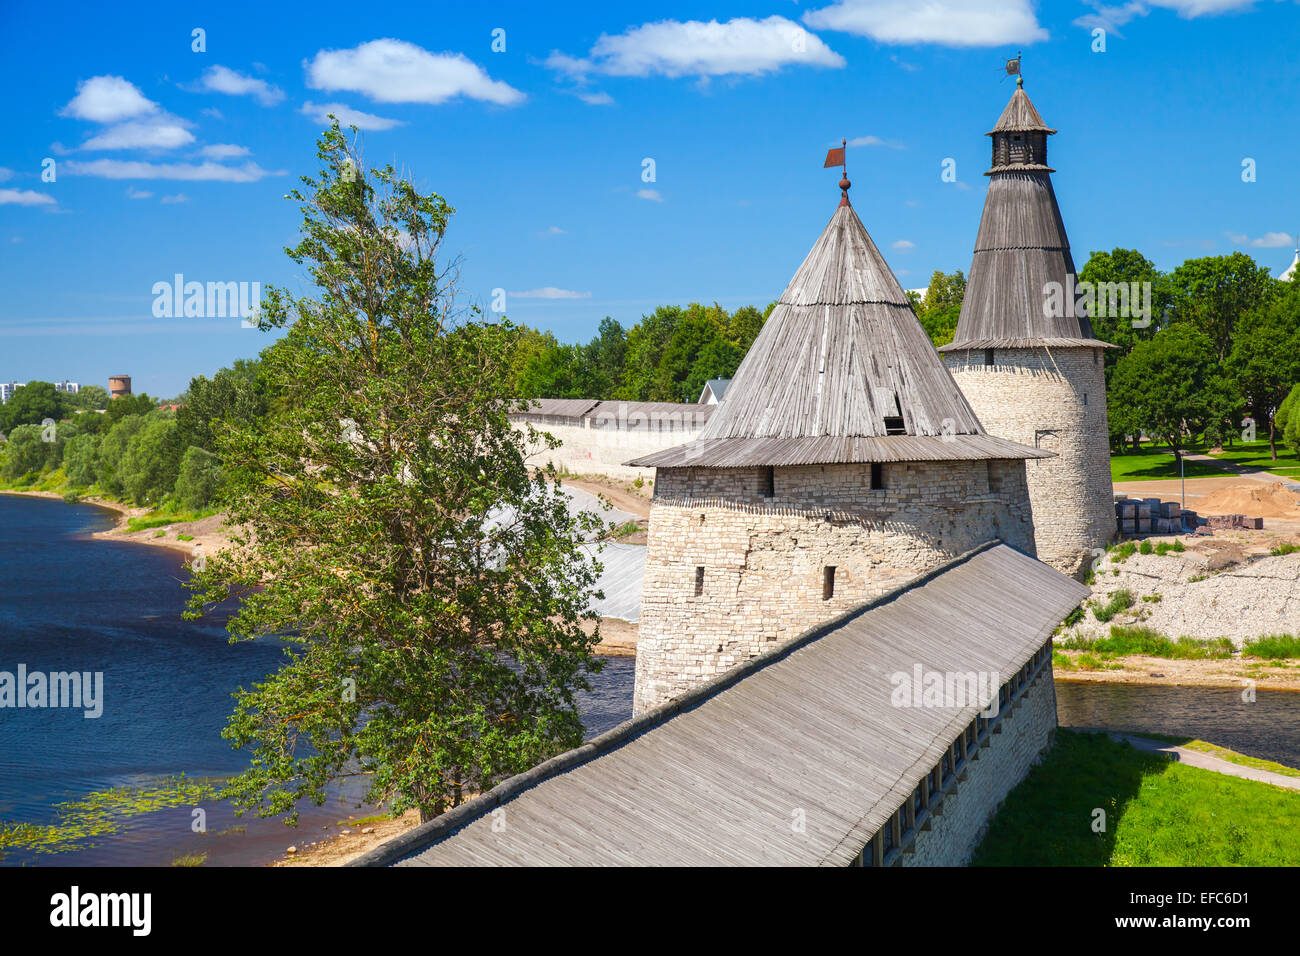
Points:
(711, 778)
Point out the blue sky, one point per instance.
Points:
(169, 160)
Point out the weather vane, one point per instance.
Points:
(835, 157)
(1013, 69)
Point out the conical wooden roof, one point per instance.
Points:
(1020, 250)
(841, 371)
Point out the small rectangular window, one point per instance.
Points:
(894, 425)
(1085, 398)
(877, 476)
(988, 356)
(828, 582)
(699, 581)
(767, 482)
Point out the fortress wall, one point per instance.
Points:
(1036, 397)
(764, 558)
(1026, 733)
(602, 451)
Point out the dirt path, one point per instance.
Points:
(1194, 758)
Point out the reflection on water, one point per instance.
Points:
(1268, 728)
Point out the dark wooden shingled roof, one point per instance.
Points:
(841, 371)
(711, 778)
(1020, 248)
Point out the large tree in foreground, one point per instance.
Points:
(430, 589)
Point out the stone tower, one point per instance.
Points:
(842, 461)
(1024, 355)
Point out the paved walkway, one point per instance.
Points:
(1195, 758)
(1244, 471)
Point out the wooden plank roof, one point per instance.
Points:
(743, 452)
(558, 407)
(1020, 248)
(713, 777)
(841, 359)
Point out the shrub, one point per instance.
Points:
(1121, 600)
(79, 460)
(199, 478)
(1273, 647)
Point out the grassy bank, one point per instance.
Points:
(1157, 813)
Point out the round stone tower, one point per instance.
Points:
(1024, 352)
(841, 462)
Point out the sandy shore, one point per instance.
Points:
(347, 840)
(1160, 671)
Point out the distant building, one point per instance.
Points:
(713, 389)
(119, 385)
(7, 391)
(1290, 272)
(72, 388)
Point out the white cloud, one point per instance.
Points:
(178, 197)
(6, 174)
(133, 193)
(742, 46)
(162, 133)
(222, 79)
(650, 194)
(213, 112)
(1111, 18)
(904, 244)
(25, 197)
(957, 23)
(595, 99)
(555, 231)
(107, 99)
(198, 172)
(1270, 240)
(394, 71)
(550, 292)
(874, 141)
(347, 116)
(224, 151)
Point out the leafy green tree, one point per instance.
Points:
(147, 469)
(125, 405)
(79, 459)
(1288, 414)
(430, 587)
(112, 448)
(646, 343)
(744, 326)
(199, 478)
(1163, 386)
(1213, 294)
(31, 405)
(699, 329)
(717, 359)
(940, 308)
(1126, 266)
(89, 397)
(1265, 358)
(553, 372)
(232, 394)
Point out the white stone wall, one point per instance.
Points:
(1025, 395)
(764, 557)
(602, 451)
(1026, 734)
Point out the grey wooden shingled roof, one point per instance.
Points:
(714, 777)
(839, 357)
(1020, 248)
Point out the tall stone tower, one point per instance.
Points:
(841, 462)
(1024, 356)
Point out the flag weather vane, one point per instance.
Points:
(835, 157)
(1013, 69)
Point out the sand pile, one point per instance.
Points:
(1258, 500)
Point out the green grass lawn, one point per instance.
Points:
(1255, 455)
(1158, 813)
(1153, 463)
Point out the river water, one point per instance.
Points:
(69, 602)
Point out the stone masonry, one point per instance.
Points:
(729, 570)
(1053, 398)
(1026, 734)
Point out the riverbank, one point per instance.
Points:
(1140, 670)
(207, 533)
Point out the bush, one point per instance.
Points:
(199, 478)
(1273, 647)
(1121, 600)
(79, 460)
